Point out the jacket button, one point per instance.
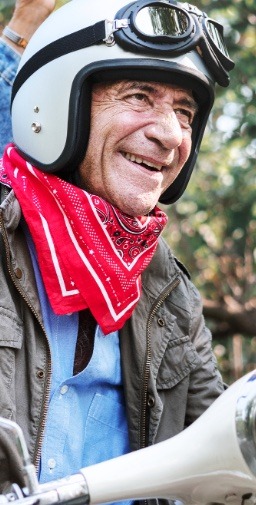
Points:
(151, 401)
(18, 273)
(40, 374)
(161, 321)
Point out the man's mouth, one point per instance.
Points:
(155, 167)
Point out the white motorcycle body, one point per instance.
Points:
(214, 460)
(211, 462)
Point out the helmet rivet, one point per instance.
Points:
(36, 127)
(110, 42)
(36, 109)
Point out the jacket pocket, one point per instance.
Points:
(179, 360)
(11, 337)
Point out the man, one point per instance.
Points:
(104, 347)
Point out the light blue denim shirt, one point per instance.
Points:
(9, 61)
(86, 421)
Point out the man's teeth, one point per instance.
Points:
(137, 159)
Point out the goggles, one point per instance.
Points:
(170, 27)
(153, 27)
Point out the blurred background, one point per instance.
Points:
(212, 228)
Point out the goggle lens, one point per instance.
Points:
(217, 37)
(162, 21)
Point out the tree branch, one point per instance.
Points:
(234, 318)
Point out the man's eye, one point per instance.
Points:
(140, 97)
(137, 97)
(184, 115)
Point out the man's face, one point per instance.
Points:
(140, 138)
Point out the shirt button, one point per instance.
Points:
(51, 463)
(64, 389)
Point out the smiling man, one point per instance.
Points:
(105, 346)
(140, 138)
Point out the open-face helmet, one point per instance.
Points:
(79, 44)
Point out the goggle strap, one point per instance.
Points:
(81, 39)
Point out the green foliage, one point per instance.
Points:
(213, 227)
(6, 8)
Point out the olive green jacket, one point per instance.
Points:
(169, 371)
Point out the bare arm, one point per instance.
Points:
(27, 17)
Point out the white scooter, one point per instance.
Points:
(211, 462)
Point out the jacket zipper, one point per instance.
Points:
(154, 309)
(38, 445)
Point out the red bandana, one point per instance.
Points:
(90, 254)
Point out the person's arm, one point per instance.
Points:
(205, 381)
(27, 17)
(9, 61)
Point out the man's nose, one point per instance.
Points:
(165, 129)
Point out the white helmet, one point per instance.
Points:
(155, 40)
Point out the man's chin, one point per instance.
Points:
(138, 207)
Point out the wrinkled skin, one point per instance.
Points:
(139, 140)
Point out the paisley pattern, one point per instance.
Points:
(131, 236)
